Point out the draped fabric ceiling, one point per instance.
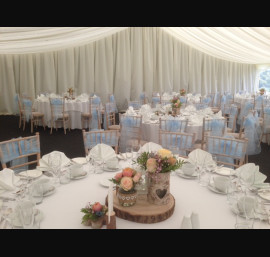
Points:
(107, 59)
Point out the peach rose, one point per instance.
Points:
(118, 176)
(137, 177)
(126, 183)
(164, 153)
(97, 207)
(171, 160)
(151, 165)
(128, 172)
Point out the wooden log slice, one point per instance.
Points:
(143, 211)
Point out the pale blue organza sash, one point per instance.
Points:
(156, 100)
(96, 100)
(135, 106)
(207, 100)
(231, 148)
(96, 138)
(173, 125)
(10, 152)
(94, 121)
(222, 103)
(16, 104)
(244, 111)
(216, 127)
(142, 96)
(252, 133)
(216, 99)
(183, 99)
(180, 141)
(27, 106)
(57, 108)
(112, 100)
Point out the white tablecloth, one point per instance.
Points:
(150, 132)
(73, 108)
(62, 209)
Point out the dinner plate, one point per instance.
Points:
(111, 170)
(31, 173)
(225, 171)
(80, 160)
(105, 182)
(83, 175)
(181, 174)
(264, 194)
(212, 187)
(50, 191)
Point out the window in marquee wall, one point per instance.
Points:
(264, 81)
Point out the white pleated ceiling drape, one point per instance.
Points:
(124, 62)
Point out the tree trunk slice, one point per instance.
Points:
(143, 211)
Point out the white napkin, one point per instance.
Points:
(82, 98)
(250, 169)
(42, 98)
(186, 223)
(65, 161)
(130, 111)
(102, 152)
(150, 147)
(8, 180)
(199, 157)
(46, 185)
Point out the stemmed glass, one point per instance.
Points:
(246, 180)
(54, 161)
(129, 154)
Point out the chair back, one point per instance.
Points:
(143, 98)
(93, 138)
(173, 124)
(184, 142)
(57, 108)
(14, 153)
(230, 152)
(130, 130)
(27, 106)
(109, 115)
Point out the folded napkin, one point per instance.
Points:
(8, 180)
(46, 185)
(200, 158)
(150, 147)
(112, 163)
(130, 111)
(250, 172)
(102, 152)
(42, 98)
(65, 161)
(77, 170)
(190, 108)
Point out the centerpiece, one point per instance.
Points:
(158, 166)
(182, 92)
(125, 186)
(70, 92)
(262, 91)
(94, 214)
(176, 104)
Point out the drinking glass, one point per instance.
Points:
(27, 214)
(54, 161)
(204, 176)
(246, 180)
(129, 154)
(36, 193)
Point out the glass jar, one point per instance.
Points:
(127, 198)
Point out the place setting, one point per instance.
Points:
(187, 171)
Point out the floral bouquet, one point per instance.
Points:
(262, 91)
(176, 103)
(182, 92)
(93, 212)
(70, 91)
(159, 162)
(127, 179)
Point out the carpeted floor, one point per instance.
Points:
(72, 143)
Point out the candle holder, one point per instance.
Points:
(112, 223)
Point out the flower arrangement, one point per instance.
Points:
(127, 179)
(159, 162)
(182, 92)
(70, 91)
(262, 91)
(93, 212)
(176, 103)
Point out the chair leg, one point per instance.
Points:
(43, 122)
(32, 125)
(64, 124)
(51, 127)
(20, 121)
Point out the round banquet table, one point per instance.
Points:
(150, 132)
(62, 209)
(73, 108)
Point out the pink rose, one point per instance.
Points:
(97, 207)
(137, 177)
(126, 183)
(151, 165)
(128, 172)
(118, 176)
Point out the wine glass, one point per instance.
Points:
(129, 154)
(246, 180)
(54, 161)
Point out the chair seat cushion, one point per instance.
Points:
(38, 114)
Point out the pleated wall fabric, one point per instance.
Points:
(125, 63)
